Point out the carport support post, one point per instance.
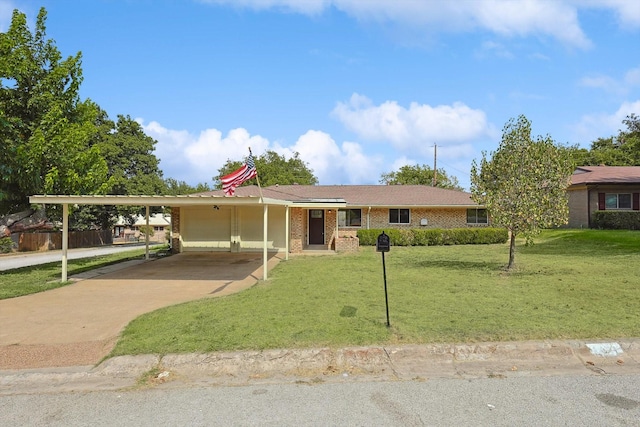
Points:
(264, 243)
(286, 233)
(146, 234)
(65, 240)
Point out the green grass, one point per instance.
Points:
(571, 284)
(38, 278)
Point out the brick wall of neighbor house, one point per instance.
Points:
(297, 229)
(578, 208)
(175, 230)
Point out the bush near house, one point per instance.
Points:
(6, 245)
(611, 220)
(436, 236)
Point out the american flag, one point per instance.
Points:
(235, 179)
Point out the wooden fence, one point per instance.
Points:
(53, 240)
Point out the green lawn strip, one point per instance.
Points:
(38, 278)
(571, 284)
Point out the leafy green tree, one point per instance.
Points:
(273, 169)
(44, 127)
(620, 150)
(133, 169)
(420, 175)
(523, 185)
(174, 187)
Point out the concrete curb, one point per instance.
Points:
(395, 363)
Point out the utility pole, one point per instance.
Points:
(435, 165)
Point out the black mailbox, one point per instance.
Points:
(383, 244)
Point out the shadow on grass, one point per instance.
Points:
(460, 265)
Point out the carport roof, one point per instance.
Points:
(202, 199)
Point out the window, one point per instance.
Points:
(350, 218)
(477, 216)
(399, 216)
(617, 201)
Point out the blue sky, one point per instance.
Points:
(357, 87)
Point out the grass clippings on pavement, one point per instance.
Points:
(570, 284)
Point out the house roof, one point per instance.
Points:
(157, 219)
(585, 175)
(361, 195)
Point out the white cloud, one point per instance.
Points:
(622, 86)
(521, 18)
(415, 128)
(194, 159)
(197, 158)
(602, 125)
(493, 49)
(334, 164)
(627, 11)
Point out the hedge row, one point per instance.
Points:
(612, 220)
(436, 236)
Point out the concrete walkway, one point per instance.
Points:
(79, 324)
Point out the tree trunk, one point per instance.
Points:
(512, 250)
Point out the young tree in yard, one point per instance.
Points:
(273, 169)
(419, 175)
(44, 127)
(523, 185)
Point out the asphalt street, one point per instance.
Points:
(583, 400)
(9, 262)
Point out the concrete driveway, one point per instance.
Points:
(79, 324)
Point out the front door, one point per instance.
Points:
(316, 227)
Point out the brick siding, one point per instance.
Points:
(175, 230)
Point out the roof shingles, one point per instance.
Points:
(585, 175)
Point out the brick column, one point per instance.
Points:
(175, 230)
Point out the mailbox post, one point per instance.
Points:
(383, 245)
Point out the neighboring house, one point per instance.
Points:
(126, 232)
(597, 188)
(324, 217)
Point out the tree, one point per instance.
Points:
(523, 185)
(620, 150)
(174, 187)
(420, 175)
(273, 169)
(133, 169)
(44, 127)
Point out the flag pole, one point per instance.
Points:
(257, 178)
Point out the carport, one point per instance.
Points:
(198, 200)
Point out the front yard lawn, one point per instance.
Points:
(570, 284)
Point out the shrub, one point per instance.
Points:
(612, 220)
(436, 236)
(6, 245)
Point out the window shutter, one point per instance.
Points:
(636, 201)
(601, 201)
